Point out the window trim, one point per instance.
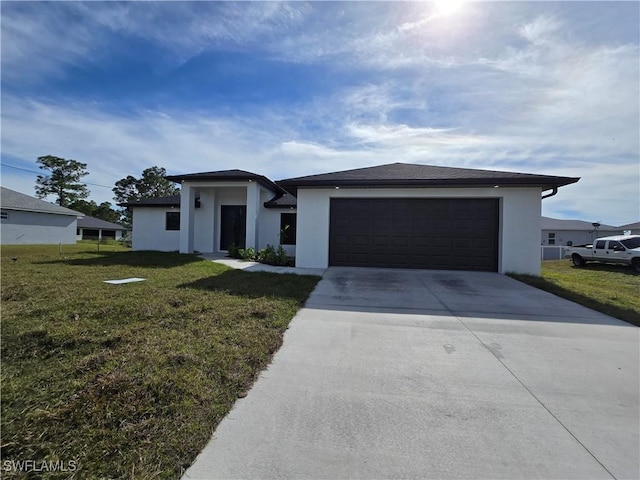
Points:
(170, 226)
(288, 237)
(551, 238)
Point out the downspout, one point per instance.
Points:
(553, 192)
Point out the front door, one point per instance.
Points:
(233, 226)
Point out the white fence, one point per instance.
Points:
(552, 252)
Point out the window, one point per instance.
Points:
(616, 246)
(4, 215)
(551, 240)
(288, 228)
(600, 244)
(172, 221)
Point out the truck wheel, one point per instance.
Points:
(577, 260)
(636, 265)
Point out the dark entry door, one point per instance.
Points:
(233, 226)
(445, 233)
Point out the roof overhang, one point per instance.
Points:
(226, 177)
(543, 182)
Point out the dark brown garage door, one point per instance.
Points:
(446, 233)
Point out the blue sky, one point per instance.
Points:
(290, 89)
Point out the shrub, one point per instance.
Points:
(247, 253)
(272, 256)
(243, 253)
(234, 251)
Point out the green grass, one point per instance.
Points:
(129, 381)
(610, 289)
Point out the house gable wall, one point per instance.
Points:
(520, 210)
(33, 228)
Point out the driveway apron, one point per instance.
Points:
(437, 374)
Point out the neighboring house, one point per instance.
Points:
(632, 228)
(91, 228)
(397, 215)
(574, 232)
(28, 220)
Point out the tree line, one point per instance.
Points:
(64, 180)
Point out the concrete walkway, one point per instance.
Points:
(434, 374)
(248, 266)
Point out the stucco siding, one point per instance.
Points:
(149, 231)
(519, 231)
(204, 218)
(33, 228)
(270, 229)
(519, 250)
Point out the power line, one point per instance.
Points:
(33, 171)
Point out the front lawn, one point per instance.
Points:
(128, 381)
(610, 289)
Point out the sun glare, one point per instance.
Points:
(445, 8)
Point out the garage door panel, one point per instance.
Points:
(420, 233)
(379, 240)
(341, 240)
(420, 241)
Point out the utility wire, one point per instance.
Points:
(39, 173)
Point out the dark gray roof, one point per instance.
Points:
(171, 201)
(229, 175)
(559, 224)
(98, 223)
(282, 201)
(12, 200)
(407, 175)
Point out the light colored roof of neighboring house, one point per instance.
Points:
(630, 226)
(98, 223)
(228, 175)
(408, 174)
(559, 224)
(12, 200)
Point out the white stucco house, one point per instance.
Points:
(28, 220)
(397, 215)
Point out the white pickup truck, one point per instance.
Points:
(621, 249)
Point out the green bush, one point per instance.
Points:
(234, 251)
(242, 253)
(272, 256)
(247, 253)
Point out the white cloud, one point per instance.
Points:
(541, 31)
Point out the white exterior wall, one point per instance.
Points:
(149, 230)
(520, 212)
(519, 217)
(34, 228)
(270, 229)
(204, 218)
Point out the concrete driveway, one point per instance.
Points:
(437, 374)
